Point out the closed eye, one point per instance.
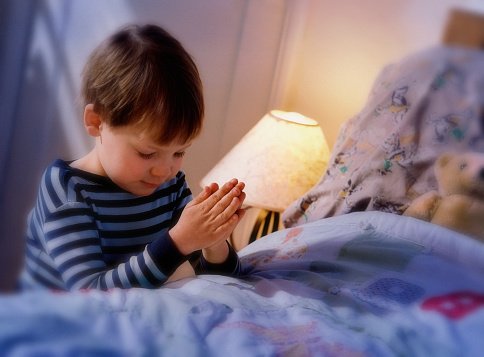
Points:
(146, 156)
(180, 154)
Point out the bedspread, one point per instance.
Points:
(420, 107)
(361, 284)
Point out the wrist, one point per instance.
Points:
(217, 253)
(177, 240)
(165, 254)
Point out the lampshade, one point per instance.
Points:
(279, 159)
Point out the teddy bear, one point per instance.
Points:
(459, 202)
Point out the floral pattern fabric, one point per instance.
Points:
(429, 103)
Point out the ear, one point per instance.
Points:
(92, 121)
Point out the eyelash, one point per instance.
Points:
(146, 156)
(149, 156)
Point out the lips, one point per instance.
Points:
(153, 185)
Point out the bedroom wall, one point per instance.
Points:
(318, 57)
(346, 43)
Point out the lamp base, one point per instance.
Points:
(256, 223)
(266, 222)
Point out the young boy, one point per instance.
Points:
(121, 215)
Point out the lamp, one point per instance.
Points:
(279, 160)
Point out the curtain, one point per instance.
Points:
(43, 48)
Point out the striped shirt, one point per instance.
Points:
(86, 232)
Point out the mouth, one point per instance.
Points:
(149, 184)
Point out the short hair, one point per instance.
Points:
(142, 75)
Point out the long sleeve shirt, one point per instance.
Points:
(86, 232)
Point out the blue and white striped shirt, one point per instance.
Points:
(86, 232)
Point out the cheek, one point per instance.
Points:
(137, 168)
(126, 168)
(177, 165)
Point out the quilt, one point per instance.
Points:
(360, 284)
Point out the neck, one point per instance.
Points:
(89, 163)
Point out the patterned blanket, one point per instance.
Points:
(429, 103)
(360, 284)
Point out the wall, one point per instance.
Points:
(345, 44)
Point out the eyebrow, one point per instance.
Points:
(161, 147)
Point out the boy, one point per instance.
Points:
(121, 215)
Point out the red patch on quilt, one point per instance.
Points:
(455, 305)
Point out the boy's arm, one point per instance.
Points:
(71, 239)
(64, 245)
(77, 254)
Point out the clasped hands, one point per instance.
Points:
(209, 219)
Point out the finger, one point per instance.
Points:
(228, 211)
(220, 193)
(225, 201)
(240, 186)
(229, 225)
(242, 197)
(241, 213)
(206, 193)
(202, 196)
(213, 187)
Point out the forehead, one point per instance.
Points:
(148, 138)
(156, 131)
(142, 137)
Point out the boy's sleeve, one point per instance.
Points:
(74, 254)
(73, 244)
(231, 266)
(165, 255)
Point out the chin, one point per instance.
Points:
(139, 191)
(142, 193)
(146, 191)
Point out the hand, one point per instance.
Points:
(210, 218)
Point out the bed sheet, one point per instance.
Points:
(361, 284)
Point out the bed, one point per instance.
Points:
(349, 276)
(362, 284)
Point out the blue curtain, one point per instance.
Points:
(43, 47)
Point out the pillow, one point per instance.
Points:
(428, 103)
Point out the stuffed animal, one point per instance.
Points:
(459, 202)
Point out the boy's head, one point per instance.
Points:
(142, 76)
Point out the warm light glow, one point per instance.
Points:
(293, 117)
(278, 159)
